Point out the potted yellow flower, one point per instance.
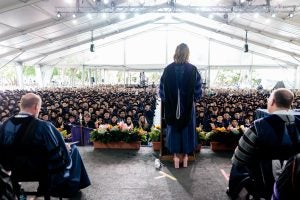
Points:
(201, 138)
(154, 136)
(222, 139)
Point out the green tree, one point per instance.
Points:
(28, 71)
(55, 71)
(228, 77)
(120, 77)
(154, 77)
(79, 74)
(9, 76)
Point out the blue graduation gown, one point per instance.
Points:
(182, 140)
(66, 168)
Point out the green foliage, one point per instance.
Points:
(224, 136)
(79, 74)
(9, 75)
(69, 72)
(114, 134)
(28, 71)
(55, 71)
(120, 76)
(154, 134)
(201, 136)
(154, 77)
(228, 77)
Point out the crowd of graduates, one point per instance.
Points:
(230, 108)
(89, 107)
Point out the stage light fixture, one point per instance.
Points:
(246, 47)
(58, 15)
(92, 46)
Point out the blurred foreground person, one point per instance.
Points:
(66, 172)
(263, 149)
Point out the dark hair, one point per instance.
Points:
(283, 98)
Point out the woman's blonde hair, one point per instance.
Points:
(182, 53)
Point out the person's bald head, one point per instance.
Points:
(31, 103)
(280, 99)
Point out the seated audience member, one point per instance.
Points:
(234, 124)
(70, 123)
(269, 138)
(53, 117)
(106, 117)
(200, 119)
(93, 117)
(99, 122)
(142, 123)
(45, 116)
(114, 120)
(122, 115)
(247, 123)
(238, 118)
(87, 121)
(149, 114)
(67, 174)
(226, 119)
(59, 122)
(129, 123)
(219, 123)
(210, 124)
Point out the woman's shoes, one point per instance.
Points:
(185, 161)
(176, 162)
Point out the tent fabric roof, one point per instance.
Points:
(32, 34)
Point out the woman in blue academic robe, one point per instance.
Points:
(180, 86)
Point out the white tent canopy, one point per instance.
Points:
(142, 36)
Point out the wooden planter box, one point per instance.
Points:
(117, 145)
(218, 146)
(156, 146)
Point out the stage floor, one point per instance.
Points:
(131, 175)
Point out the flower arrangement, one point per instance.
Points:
(223, 135)
(201, 135)
(154, 134)
(107, 133)
(64, 133)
